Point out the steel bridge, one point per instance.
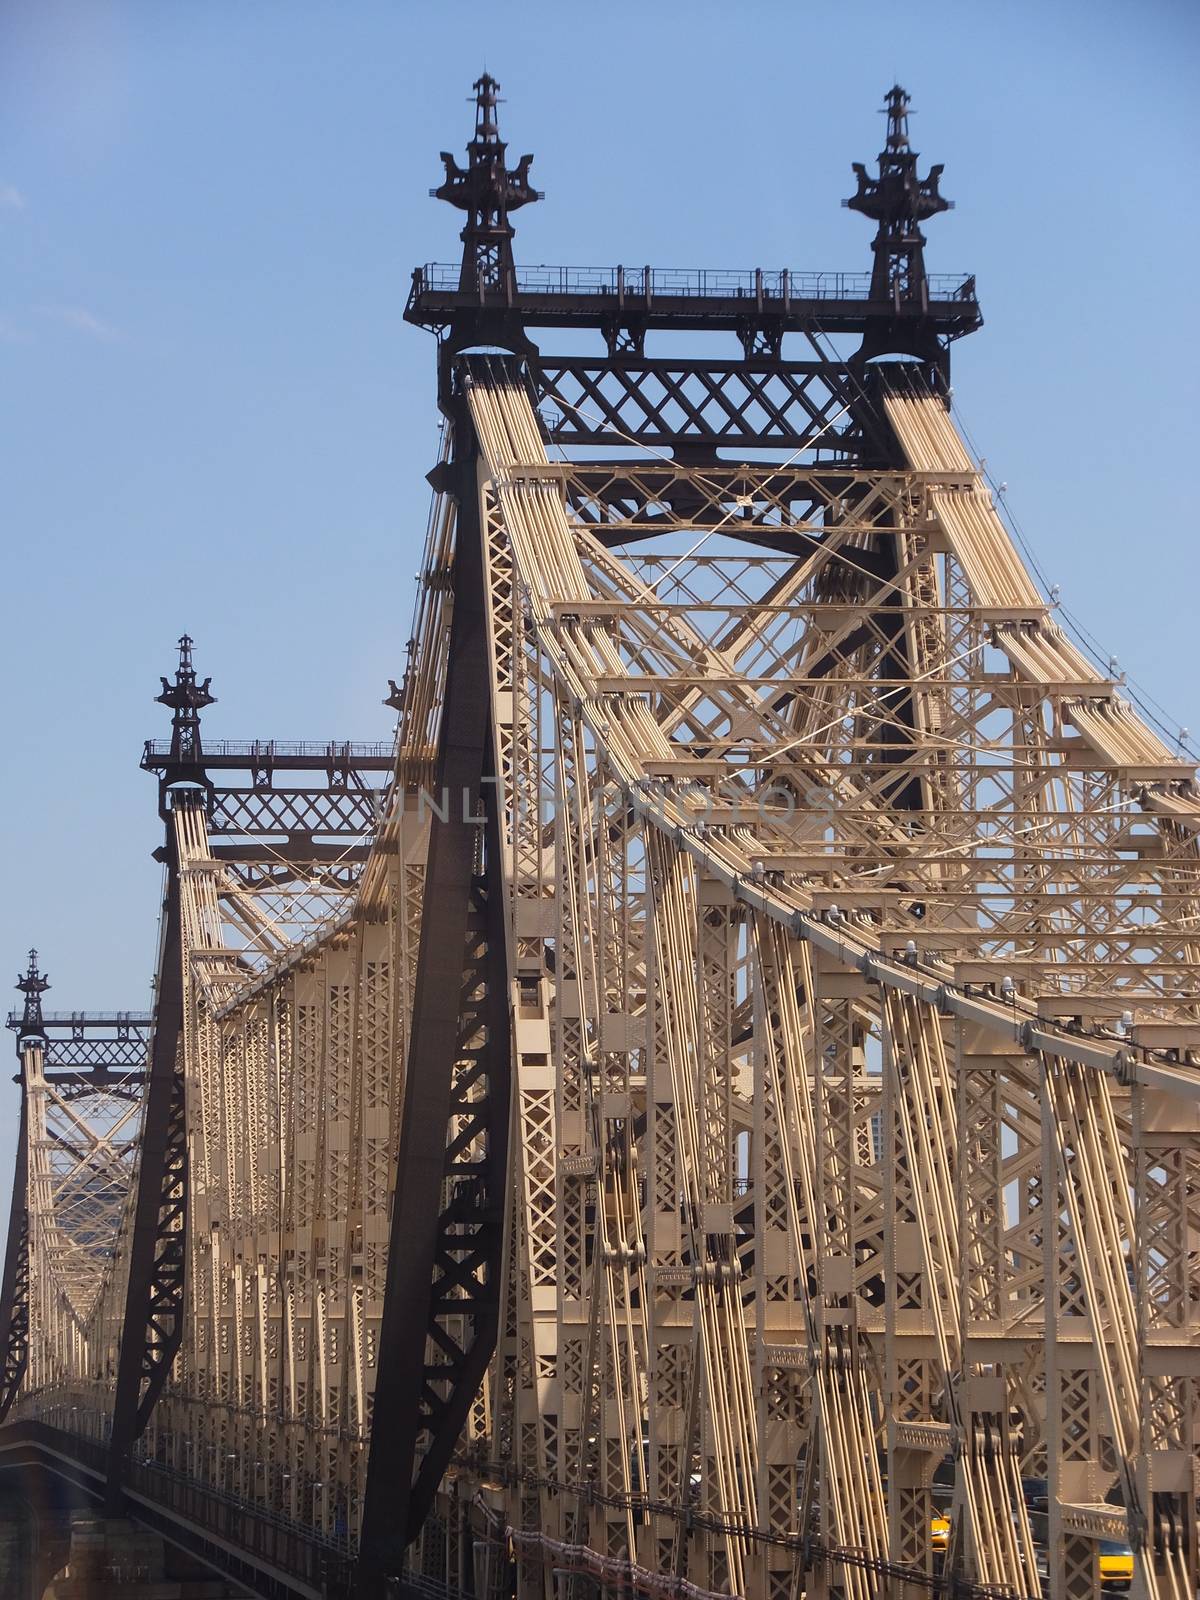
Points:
(714, 1110)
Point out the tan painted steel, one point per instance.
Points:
(856, 1098)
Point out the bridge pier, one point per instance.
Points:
(18, 1549)
(111, 1558)
(35, 1520)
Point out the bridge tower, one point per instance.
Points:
(14, 1291)
(713, 1109)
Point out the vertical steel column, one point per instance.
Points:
(148, 1340)
(392, 1507)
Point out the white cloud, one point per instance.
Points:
(82, 320)
(11, 198)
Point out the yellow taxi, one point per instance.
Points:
(939, 1532)
(1115, 1561)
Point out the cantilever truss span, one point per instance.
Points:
(745, 1100)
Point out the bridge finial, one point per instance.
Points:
(33, 986)
(899, 201)
(187, 699)
(487, 191)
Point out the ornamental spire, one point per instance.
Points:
(187, 699)
(33, 986)
(487, 191)
(899, 201)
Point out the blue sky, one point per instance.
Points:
(214, 418)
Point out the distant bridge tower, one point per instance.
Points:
(14, 1291)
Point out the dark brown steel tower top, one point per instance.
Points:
(896, 309)
(186, 698)
(33, 986)
(899, 201)
(487, 191)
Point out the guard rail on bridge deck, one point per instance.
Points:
(688, 297)
(297, 755)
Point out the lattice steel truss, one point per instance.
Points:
(753, 1076)
(83, 1080)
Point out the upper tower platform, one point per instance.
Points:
(897, 308)
(279, 808)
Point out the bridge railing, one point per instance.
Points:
(675, 283)
(278, 750)
(81, 1019)
(262, 1535)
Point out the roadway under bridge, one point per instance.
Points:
(712, 1110)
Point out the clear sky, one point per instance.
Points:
(213, 417)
